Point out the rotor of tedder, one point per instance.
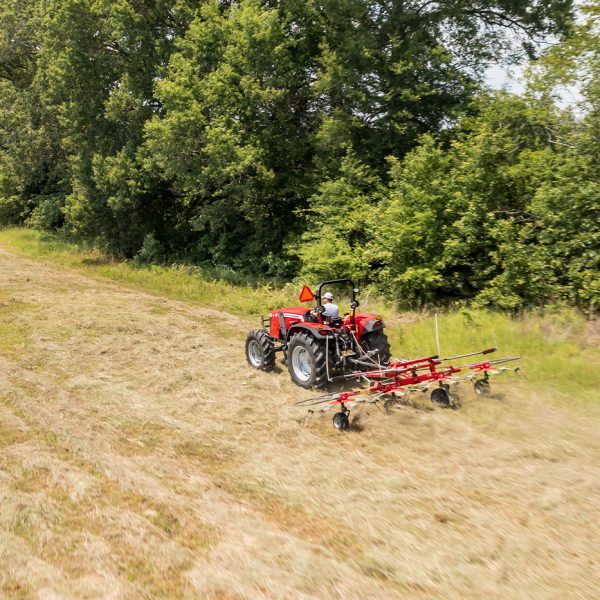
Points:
(397, 380)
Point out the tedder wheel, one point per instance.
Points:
(377, 341)
(441, 396)
(260, 350)
(341, 421)
(306, 361)
(482, 387)
(390, 404)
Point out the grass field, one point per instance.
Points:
(141, 457)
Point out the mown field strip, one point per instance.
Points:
(141, 457)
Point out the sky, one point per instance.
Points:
(502, 77)
(511, 78)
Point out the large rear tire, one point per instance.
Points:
(260, 350)
(306, 361)
(377, 341)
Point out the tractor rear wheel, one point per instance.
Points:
(306, 361)
(377, 341)
(260, 350)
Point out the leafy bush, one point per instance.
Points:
(47, 214)
(152, 251)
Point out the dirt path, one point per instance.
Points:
(141, 457)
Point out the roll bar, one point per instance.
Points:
(334, 281)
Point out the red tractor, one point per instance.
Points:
(316, 346)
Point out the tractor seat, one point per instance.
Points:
(334, 321)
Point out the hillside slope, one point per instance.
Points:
(140, 456)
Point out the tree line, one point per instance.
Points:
(324, 138)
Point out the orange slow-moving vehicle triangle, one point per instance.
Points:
(306, 295)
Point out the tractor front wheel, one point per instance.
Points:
(260, 350)
(306, 361)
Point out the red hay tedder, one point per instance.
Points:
(393, 383)
(320, 349)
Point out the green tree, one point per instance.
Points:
(97, 67)
(506, 215)
(228, 140)
(31, 172)
(391, 71)
(339, 241)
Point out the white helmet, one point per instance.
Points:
(328, 296)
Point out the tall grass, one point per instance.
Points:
(559, 350)
(182, 282)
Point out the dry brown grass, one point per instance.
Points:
(141, 457)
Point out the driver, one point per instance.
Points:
(332, 310)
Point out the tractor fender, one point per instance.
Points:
(373, 325)
(320, 332)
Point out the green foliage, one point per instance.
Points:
(339, 138)
(391, 71)
(97, 66)
(29, 147)
(227, 141)
(338, 243)
(411, 225)
(488, 217)
(47, 213)
(152, 250)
